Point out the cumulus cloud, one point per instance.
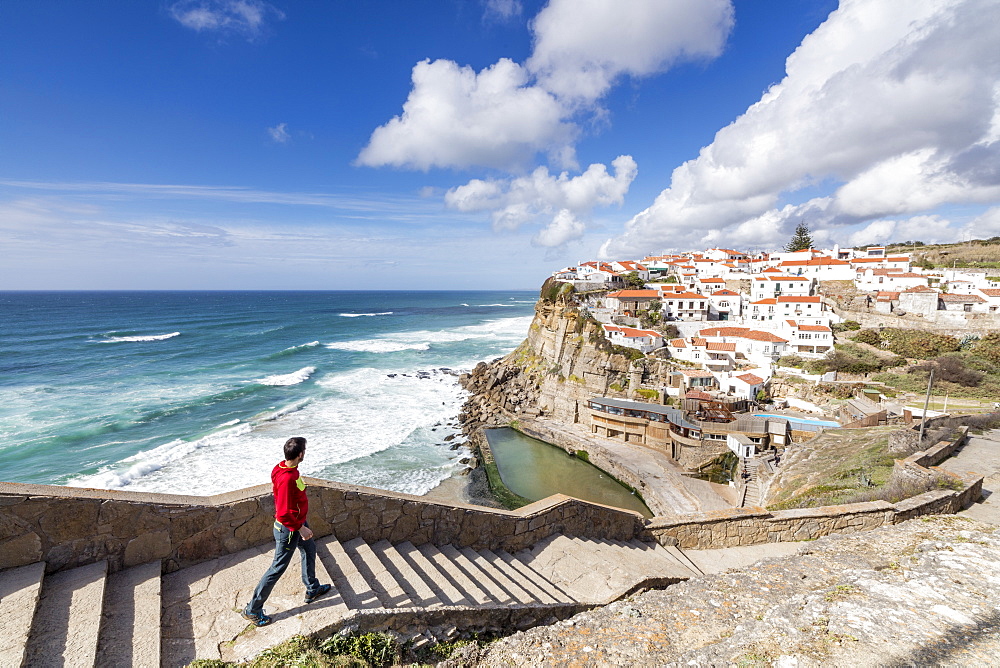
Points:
(583, 46)
(898, 105)
(241, 17)
(279, 133)
(505, 115)
(541, 195)
(456, 117)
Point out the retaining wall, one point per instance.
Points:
(68, 527)
(751, 526)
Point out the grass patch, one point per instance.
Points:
(648, 394)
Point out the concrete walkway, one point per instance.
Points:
(664, 487)
(981, 455)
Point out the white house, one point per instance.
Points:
(992, 298)
(645, 340)
(724, 254)
(820, 268)
(744, 385)
(627, 266)
(772, 285)
(808, 340)
(757, 347)
(900, 262)
(890, 280)
(599, 272)
(685, 305)
(725, 305)
(966, 303)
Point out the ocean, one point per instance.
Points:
(195, 392)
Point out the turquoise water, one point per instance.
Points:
(821, 423)
(194, 392)
(536, 470)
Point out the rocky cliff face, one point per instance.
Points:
(562, 363)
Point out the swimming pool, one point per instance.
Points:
(819, 423)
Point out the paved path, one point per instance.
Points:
(981, 454)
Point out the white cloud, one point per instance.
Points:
(506, 114)
(984, 226)
(561, 199)
(279, 133)
(897, 103)
(243, 17)
(582, 46)
(455, 117)
(502, 10)
(563, 229)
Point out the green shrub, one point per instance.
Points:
(582, 454)
(649, 394)
(910, 343)
(792, 361)
(869, 336)
(988, 347)
(376, 649)
(846, 326)
(615, 387)
(552, 290)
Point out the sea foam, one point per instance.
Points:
(140, 339)
(363, 315)
(293, 378)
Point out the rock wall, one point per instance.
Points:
(69, 527)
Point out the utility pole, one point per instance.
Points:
(927, 400)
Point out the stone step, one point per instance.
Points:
(202, 606)
(470, 590)
(496, 570)
(534, 593)
(574, 566)
(19, 591)
(679, 555)
(443, 587)
(386, 587)
(418, 590)
(68, 617)
(552, 593)
(662, 562)
(496, 593)
(130, 628)
(357, 592)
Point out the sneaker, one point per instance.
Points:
(322, 589)
(256, 620)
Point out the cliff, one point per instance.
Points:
(563, 362)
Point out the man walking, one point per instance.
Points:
(290, 531)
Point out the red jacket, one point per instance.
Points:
(290, 501)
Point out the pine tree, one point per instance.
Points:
(801, 240)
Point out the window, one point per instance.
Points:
(967, 307)
(722, 304)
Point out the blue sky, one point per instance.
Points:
(228, 144)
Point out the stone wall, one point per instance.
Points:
(68, 527)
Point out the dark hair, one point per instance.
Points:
(294, 447)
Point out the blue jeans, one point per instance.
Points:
(285, 542)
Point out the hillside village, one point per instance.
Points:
(733, 315)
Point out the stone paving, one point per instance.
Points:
(981, 454)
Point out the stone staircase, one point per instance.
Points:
(752, 496)
(138, 617)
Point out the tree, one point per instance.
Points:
(632, 280)
(801, 240)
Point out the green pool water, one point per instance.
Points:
(535, 470)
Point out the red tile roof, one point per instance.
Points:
(635, 294)
(743, 332)
(920, 288)
(815, 262)
(751, 379)
(640, 333)
(887, 296)
(814, 328)
(725, 293)
(678, 343)
(769, 300)
(795, 300)
(962, 299)
(697, 373)
(990, 292)
(718, 345)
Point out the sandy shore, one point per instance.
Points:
(469, 487)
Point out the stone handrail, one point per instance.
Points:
(68, 527)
